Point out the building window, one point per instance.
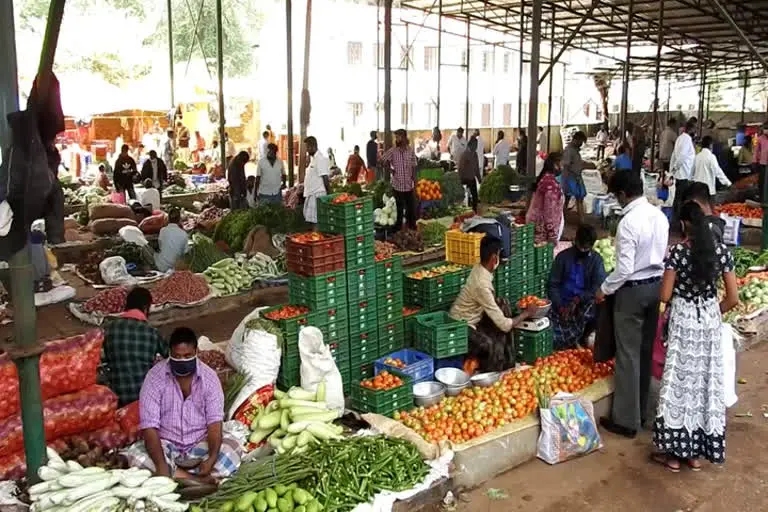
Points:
(406, 57)
(487, 62)
(507, 61)
(356, 109)
(378, 55)
(507, 115)
(485, 114)
(354, 53)
(430, 58)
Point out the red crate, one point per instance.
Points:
(314, 258)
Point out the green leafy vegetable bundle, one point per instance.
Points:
(433, 233)
(203, 253)
(451, 188)
(493, 188)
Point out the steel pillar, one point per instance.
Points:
(520, 77)
(744, 95)
(407, 69)
(439, 57)
(669, 97)
(625, 73)
(659, 45)
(387, 74)
(169, 7)
(220, 74)
(702, 89)
(533, 105)
(551, 78)
(466, 97)
(289, 81)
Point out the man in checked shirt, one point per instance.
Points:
(401, 160)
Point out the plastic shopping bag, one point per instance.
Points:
(115, 272)
(729, 366)
(568, 429)
(317, 364)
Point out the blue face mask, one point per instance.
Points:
(183, 367)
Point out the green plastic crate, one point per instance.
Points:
(432, 301)
(430, 173)
(530, 345)
(325, 290)
(409, 328)
(390, 306)
(359, 250)
(388, 410)
(391, 337)
(330, 320)
(360, 371)
(291, 359)
(441, 336)
(363, 315)
(389, 274)
(355, 217)
(364, 346)
(361, 284)
(383, 401)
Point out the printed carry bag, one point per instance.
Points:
(568, 429)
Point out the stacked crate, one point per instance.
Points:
(434, 293)
(531, 345)
(542, 264)
(389, 288)
(440, 336)
(522, 261)
(503, 279)
(353, 220)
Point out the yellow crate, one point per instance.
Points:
(462, 248)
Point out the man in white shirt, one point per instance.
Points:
(270, 176)
(602, 142)
(501, 150)
(316, 181)
(173, 242)
(667, 143)
(706, 168)
(480, 151)
(150, 198)
(681, 164)
(541, 141)
(457, 144)
(263, 143)
(634, 286)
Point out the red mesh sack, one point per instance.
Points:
(13, 466)
(108, 438)
(128, 419)
(153, 224)
(64, 415)
(66, 365)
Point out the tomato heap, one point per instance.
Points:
(410, 310)
(428, 190)
(382, 382)
(344, 198)
(305, 238)
(286, 312)
(531, 300)
(394, 362)
(477, 411)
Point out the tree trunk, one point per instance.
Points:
(306, 107)
(603, 84)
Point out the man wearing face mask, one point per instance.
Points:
(576, 274)
(641, 247)
(489, 318)
(181, 412)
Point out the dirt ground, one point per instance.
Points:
(621, 476)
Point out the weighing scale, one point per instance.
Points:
(533, 325)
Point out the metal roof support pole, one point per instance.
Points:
(576, 31)
(220, 73)
(466, 70)
(669, 97)
(439, 58)
(659, 46)
(551, 79)
(378, 63)
(289, 82)
(700, 112)
(407, 69)
(709, 97)
(170, 54)
(533, 97)
(387, 74)
(744, 95)
(625, 74)
(520, 76)
(727, 17)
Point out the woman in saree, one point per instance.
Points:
(546, 206)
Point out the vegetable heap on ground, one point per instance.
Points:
(181, 287)
(68, 486)
(477, 411)
(235, 226)
(743, 259)
(340, 474)
(408, 240)
(493, 188)
(384, 250)
(231, 275)
(203, 253)
(433, 233)
(107, 302)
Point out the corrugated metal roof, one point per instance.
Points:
(695, 32)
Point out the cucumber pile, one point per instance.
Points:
(280, 498)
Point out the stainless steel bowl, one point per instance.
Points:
(542, 311)
(428, 393)
(453, 379)
(484, 380)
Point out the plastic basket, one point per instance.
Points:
(440, 335)
(462, 248)
(384, 400)
(409, 327)
(359, 249)
(331, 321)
(430, 173)
(354, 217)
(450, 362)
(360, 371)
(314, 258)
(390, 306)
(363, 315)
(322, 291)
(388, 409)
(389, 274)
(363, 346)
(530, 345)
(391, 337)
(361, 284)
(418, 365)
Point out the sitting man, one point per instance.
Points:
(181, 414)
(489, 318)
(576, 275)
(150, 198)
(173, 242)
(131, 347)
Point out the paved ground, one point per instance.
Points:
(621, 477)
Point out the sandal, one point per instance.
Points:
(670, 463)
(694, 464)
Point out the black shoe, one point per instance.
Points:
(617, 429)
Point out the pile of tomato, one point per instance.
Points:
(305, 238)
(343, 198)
(410, 310)
(531, 300)
(286, 312)
(477, 411)
(394, 362)
(382, 382)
